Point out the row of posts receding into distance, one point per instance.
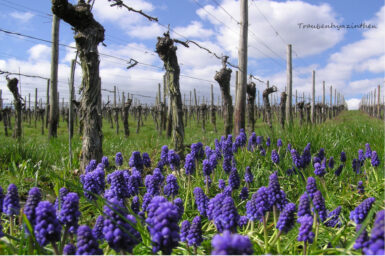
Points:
(371, 103)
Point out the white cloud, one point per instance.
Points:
(194, 30)
(146, 31)
(22, 16)
(40, 51)
(353, 103)
(374, 65)
(284, 17)
(366, 54)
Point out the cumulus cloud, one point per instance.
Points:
(22, 16)
(284, 17)
(353, 103)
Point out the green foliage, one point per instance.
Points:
(37, 161)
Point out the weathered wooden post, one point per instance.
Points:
(47, 106)
(313, 99)
(289, 82)
(331, 103)
(378, 102)
(212, 109)
(283, 108)
(54, 102)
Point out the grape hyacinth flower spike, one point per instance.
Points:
(343, 157)
(375, 161)
(87, 244)
(184, 230)
(47, 226)
(69, 213)
(194, 236)
(34, 197)
(359, 214)
(11, 204)
(119, 159)
(231, 244)
(375, 245)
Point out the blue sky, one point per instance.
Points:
(351, 60)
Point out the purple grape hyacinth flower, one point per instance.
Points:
(359, 214)
(189, 165)
(201, 200)
(47, 226)
(333, 218)
(179, 204)
(368, 151)
(164, 155)
(146, 160)
(171, 188)
(375, 245)
(243, 220)
(11, 204)
(105, 162)
(276, 196)
(319, 205)
(69, 249)
(331, 162)
(363, 239)
(163, 226)
(305, 230)
(87, 244)
(304, 205)
(339, 170)
(231, 244)
(234, 180)
(361, 156)
(119, 159)
(206, 167)
(136, 161)
(274, 156)
(135, 204)
(194, 236)
(297, 161)
(185, 227)
(221, 184)
(244, 194)
(279, 143)
(34, 197)
(268, 142)
(249, 177)
(319, 170)
(228, 219)
(343, 157)
(258, 205)
(60, 199)
(69, 213)
(360, 187)
(374, 159)
(286, 219)
(119, 227)
(173, 160)
(311, 186)
(98, 228)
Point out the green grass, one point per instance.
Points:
(37, 161)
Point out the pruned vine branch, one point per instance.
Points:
(120, 3)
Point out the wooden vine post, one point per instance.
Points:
(88, 34)
(223, 79)
(167, 53)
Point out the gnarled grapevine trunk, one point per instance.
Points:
(12, 86)
(88, 34)
(167, 53)
(266, 102)
(250, 90)
(223, 78)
